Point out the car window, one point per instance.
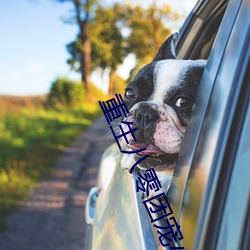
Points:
(198, 34)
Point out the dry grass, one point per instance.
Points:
(13, 104)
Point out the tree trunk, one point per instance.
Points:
(86, 57)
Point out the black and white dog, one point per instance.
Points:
(159, 100)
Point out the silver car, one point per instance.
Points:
(210, 192)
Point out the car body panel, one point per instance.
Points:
(121, 221)
(117, 222)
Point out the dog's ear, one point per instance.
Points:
(167, 49)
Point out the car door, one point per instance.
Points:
(209, 174)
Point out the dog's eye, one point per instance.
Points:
(130, 94)
(183, 102)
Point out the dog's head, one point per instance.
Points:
(160, 99)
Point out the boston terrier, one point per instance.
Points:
(160, 99)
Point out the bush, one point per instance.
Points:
(65, 92)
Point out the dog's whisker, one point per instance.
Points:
(108, 136)
(109, 133)
(116, 123)
(116, 129)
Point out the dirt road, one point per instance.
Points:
(53, 218)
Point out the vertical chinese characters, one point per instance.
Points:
(158, 207)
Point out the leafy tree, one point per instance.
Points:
(83, 15)
(108, 48)
(119, 30)
(148, 30)
(108, 45)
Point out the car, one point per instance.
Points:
(210, 190)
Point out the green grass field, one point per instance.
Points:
(31, 139)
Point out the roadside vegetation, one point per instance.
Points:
(34, 131)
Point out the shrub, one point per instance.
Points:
(65, 92)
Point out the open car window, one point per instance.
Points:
(198, 33)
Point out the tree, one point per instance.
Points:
(148, 31)
(108, 45)
(108, 48)
(119, 30)
(83, 15)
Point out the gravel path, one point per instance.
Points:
(53, 218)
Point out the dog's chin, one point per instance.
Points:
(159, 163)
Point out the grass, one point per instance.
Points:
(31, 139)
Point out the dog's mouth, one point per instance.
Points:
(156, 159)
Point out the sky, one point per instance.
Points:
(32, 44)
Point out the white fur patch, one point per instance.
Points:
(168, 138)
(169, 73)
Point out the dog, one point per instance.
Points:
(159, 100)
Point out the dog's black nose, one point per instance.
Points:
(145, 118)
